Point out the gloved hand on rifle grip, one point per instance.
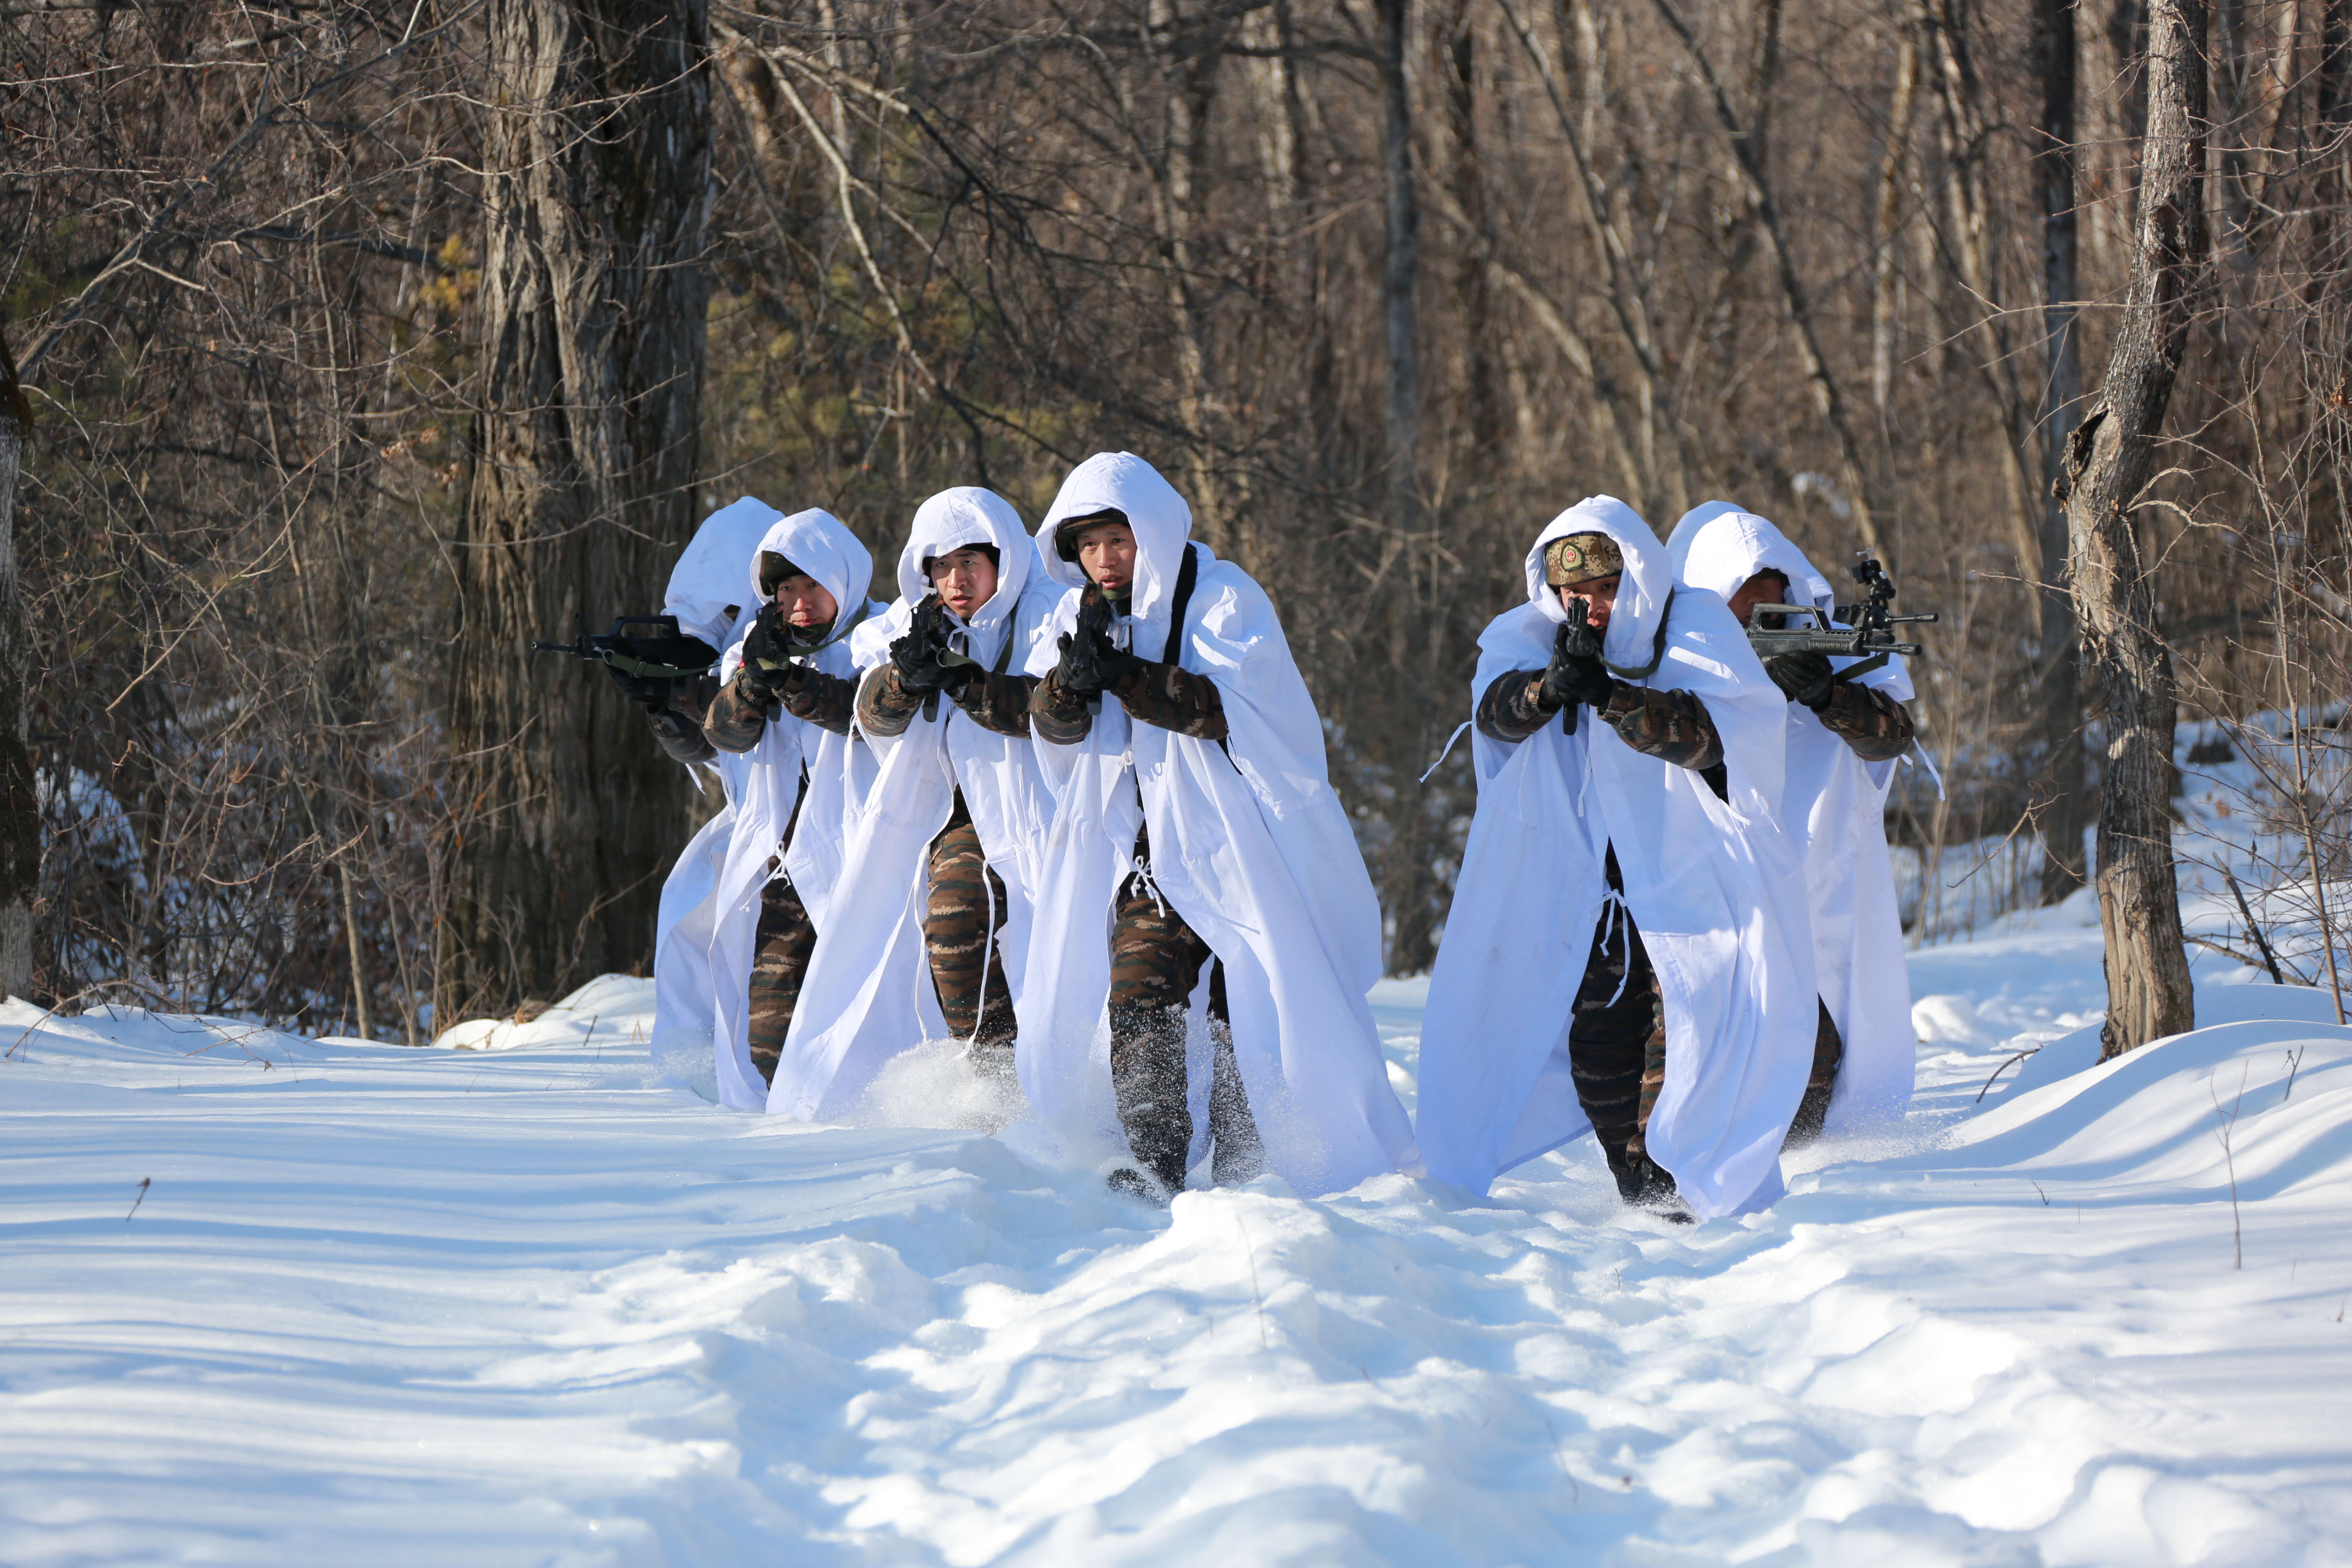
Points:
(1804, 678)
(768, 671)
(1576, 674)
(651, 690)
(1090, 663)
(919, 656)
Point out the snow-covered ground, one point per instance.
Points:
(272, 1300)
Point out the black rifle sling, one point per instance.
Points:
(1172, 651)
(1186, 576)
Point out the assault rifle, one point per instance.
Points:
(1867, 629)
(645, 663)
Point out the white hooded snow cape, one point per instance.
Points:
(1714, 886)
(838, 768)
(707, 579)
(868, 994)
(1249, 845)
(1836, 804)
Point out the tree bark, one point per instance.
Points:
(20, 805)
(593, 305)
(1478, 368)
(2063, 804)
(1402, 270)
(2108, 463)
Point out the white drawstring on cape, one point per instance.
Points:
(1448, 750)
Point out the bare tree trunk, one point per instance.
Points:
(1403, 269)
(2063, 806)
(1465, 174)
(2108, 463)
(592, 307)
(20, 807)
(1893, 180)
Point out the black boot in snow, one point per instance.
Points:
(1129, 1183)
(1643, 1184)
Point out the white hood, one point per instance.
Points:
(1121, 481)
(1632, 640)
(710, 576)
(820, 545)
(954, 519)
(1718, 546)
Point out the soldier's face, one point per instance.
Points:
(1764, 588)
(805, 603)
(1598, 597)
(1107, 554)
(964, 580)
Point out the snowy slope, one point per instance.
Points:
(533, 1304)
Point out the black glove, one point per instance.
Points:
(1576, 674)
(1802, 678)
(652, 690)
(919, 656)
(768, 670)
(1090, 664)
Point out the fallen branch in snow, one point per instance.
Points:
(1999, 1070)
(2293, 1064)
(142, 1198)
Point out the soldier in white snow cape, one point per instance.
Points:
(1846, 732)
(1205, 929)
(706, 594)
(943, 852)
(787, 705)
(1627, 948)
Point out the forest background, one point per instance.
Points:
(361, 341)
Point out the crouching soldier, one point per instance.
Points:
(1626, 947)
(943, 855)
(1205, 929)
(1846, 728)
(786, 706)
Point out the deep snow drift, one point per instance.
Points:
(534, 1303)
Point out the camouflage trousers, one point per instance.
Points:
(780, 961)
(1828, 1054)
(963, 927)
(1617, 1037)
(1617, 1044)
(1155, 966)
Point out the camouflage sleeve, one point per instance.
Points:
(998, 702)
(827, 702)
(678, 726)
(735, 721)
(1172, 698)
(1873, 724)
(884, 708)
(1512, 708)
(1057, 715)
(1671, 726)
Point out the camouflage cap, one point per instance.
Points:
(1073, 529)
(1581, 558)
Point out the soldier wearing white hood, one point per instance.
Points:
(1626, 946)
(1205, 929)
(944, 851)
(1847, 727)
(786, 708)
(707, 592)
